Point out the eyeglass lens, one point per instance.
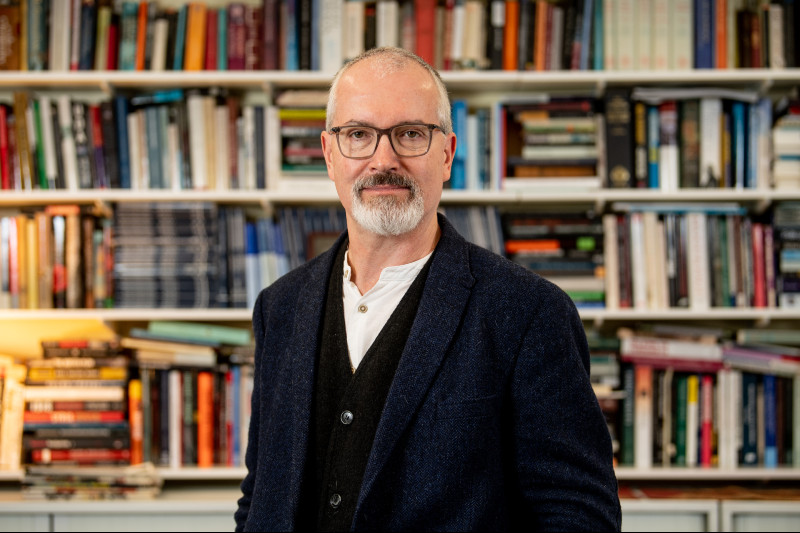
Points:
(406, 139)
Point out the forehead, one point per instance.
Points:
(384, 95)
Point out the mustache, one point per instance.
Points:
(385, 178)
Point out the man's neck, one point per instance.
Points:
(369, 254)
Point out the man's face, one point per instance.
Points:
(388, 194)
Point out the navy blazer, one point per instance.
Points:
(490, 422)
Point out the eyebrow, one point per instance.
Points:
(367, 124)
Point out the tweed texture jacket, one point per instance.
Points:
(490, 422)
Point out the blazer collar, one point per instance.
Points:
(443, 302)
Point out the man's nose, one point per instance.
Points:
(384, 157)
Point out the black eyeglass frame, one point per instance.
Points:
(385, 131)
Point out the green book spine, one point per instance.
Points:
(626, 457)
(222, 334)
(681, 398)
(40, 164)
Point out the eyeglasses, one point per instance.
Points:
(407, 140)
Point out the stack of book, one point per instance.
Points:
(302, 119)
(138, 482)
(697, 399)
(786, 228)
(12, 409)
(552, 143)
(171, 255)
(606, 382)
(190, 400)
(786, 148)
(566, 248)
(76, 410)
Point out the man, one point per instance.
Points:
(406, 379)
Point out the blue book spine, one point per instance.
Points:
(88, 33)
(749, 451)
(236, 415)
(586, 33)
(458, 173)
(770, 422)
(753, 133)
(653, 129)
(222, 39)
(739, 145)
(292, 46)
(598, 55)
(153, 146)
(252, 276)
(180, 39)
(127, 41)
(38, 15)
(704, 34)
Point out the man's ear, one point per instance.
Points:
(449, 153)
(326, 139)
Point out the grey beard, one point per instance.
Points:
(388, 216)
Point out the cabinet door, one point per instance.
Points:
(669, 515)
(143, 522)
(24, 522)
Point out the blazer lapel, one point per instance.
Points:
(306, 341)
(444, 299)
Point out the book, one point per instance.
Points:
(223, 334)
(643, 416)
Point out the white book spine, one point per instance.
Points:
(626, 34)
(473, 157)
(681, 39)
(459, 35)
(777, 58)
(144, 153)
(174, 153)
(175, 414)
(68, 153)
(222, 119)
(611, 260)
(159, 58)
(331, 35)
(661, 24)
(646, 34)
(353, 28)
(248, 135)
(210, 143)
(387, 23)
(197, 140)
(474, 42)
(662, 289)
(697, 261)
(610, 45)
(134, 150)
(710, 142)
(49, 141)
(643, 421)
(638, 262)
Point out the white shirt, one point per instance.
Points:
(365, 315)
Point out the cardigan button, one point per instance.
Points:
(335, 500)
(346, 417)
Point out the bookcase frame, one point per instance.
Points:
(479, 86)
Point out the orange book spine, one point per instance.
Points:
(141, 36)
(205, 419)
(540, 36)
(539, 245)
(196, 36)
(511, 35)
(721, 46)
(135, 420)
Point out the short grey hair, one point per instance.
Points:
(393, 59)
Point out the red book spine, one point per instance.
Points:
(205, 419)
(706, 426)
(5, 162)
(211, 40)
(84, 456)
(425, 21)
(759, 271)
(70, 417)
(113, 45)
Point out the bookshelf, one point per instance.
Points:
(481, 88)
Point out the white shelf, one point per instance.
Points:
(325, 194)
(129, 315)
(707, 474)
(759, 79)
(761, 316)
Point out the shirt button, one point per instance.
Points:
(346, 274)
(335, 500)
(346, 417)
(362, 308)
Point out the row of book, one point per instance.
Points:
(666, 139)
(687, 138)
(690, 399)
(450, 34)
(173, 394)
(165, 140)
(697, 257)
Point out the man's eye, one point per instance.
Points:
(358, 134)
